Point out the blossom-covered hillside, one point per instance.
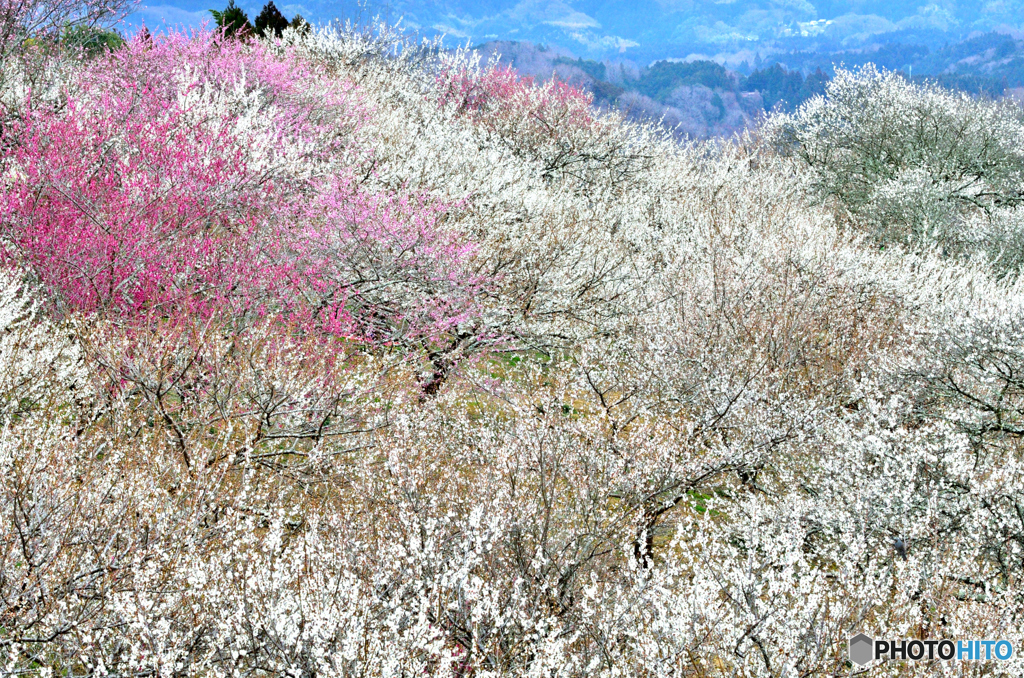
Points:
(337, 355)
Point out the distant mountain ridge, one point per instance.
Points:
(703, 98)
(731, 31)
(647, 30)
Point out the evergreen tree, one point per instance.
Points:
(270, 21)
(300, 24)
(92, 39)
(232, 21)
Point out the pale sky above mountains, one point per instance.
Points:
(645, 30)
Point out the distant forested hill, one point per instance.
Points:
(703, 98)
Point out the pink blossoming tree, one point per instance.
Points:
(188, 179)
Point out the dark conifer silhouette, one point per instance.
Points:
(270, 22)
(300, 24)
(232, 21)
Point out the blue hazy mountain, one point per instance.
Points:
(647, 30)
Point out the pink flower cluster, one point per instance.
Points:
(193, 178)
(498, 94)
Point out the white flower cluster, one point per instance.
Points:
(914, 164)
(41, 362)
